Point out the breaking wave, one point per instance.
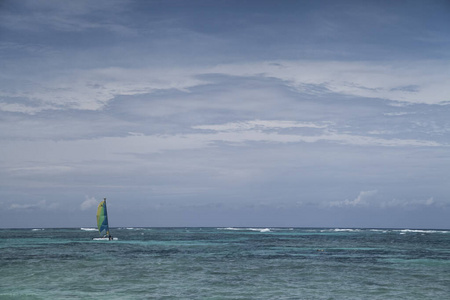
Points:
(89, 229)
(246, 229)
(404, 231)
(340, 230)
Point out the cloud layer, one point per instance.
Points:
(306, 114)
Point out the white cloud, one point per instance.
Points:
(72, 16)
(136, 133)
(92, 89)
(260, 124)
(239, 132)
(362, 79)
(21, 157)
(41, 205)
(429, 201)
(408, 202)
(47, 169)
(88, 203)
(364, 198)
(361, 200)
(372, 141)
(394, 114)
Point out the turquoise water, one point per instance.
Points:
(225, 263)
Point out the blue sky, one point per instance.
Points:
(225, 113)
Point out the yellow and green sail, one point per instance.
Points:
(102, 218)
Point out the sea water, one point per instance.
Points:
(225, 263)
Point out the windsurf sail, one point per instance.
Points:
(102, 218)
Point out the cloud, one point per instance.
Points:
(395, 114)
(429, 201)
(74, 16)
(364, 197)
(385, 80)
(410, 203)
(93, 89)
(266, 131)
(31, 158)
(154, 100)
(361, 200)
(41, 170)
(260, 124)
(41, 205)
(88, 203)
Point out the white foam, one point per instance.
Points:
(229, 228)
(37, 229)
(104, 239)
(89, 229)
(346, 230)
(246, 229)
(379, 230)
(404, 231)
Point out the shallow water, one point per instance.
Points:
(225, 263)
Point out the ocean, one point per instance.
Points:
(225, 263)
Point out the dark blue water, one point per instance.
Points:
(225, 263)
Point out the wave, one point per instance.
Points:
(133, 228)
(37, 229)
(246, 229)
(401, 231)
(404, 231)
(346, 230)
(89, 229)
(340, 230)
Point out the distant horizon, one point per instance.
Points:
(232, 227)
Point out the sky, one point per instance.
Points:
(225, 113)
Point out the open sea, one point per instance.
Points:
(225, 263)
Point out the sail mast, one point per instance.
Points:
(102, 218)
(106, 217)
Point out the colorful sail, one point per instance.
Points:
(102, 218)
